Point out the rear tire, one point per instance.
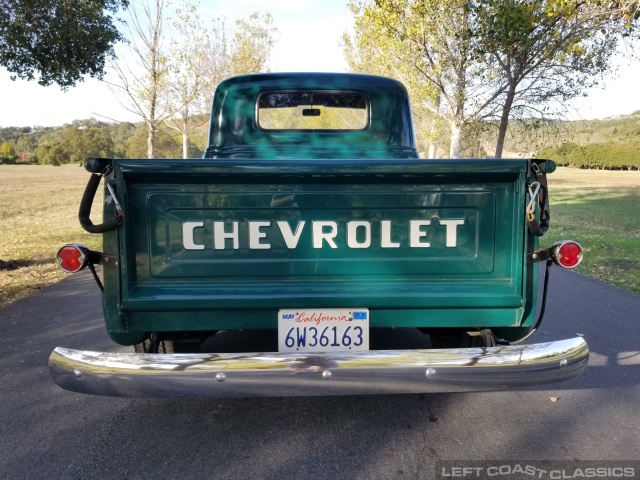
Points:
(172, 342)
(154, 345)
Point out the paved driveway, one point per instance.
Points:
(49, 433)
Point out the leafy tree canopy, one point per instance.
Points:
(74, 144)
(58, 41)
(7, 151)
(493, 59)
(166, 146)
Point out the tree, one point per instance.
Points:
(27, 146)
(7, 153)
(548, 51)
(432, 40)
(491, 59)
(58, 41)
(120, 134)
(201, 57)
(75, 143)
(88, 142)
(52, 154)
(191, 78)
(252, 43)
(166, 146)
(373, 54)
(141, 88)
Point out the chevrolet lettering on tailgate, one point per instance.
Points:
(312, 229)
(358, 234)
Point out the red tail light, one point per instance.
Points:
(72, 258)
(567, 254)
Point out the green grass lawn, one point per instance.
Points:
(601, 210)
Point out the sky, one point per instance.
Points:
(308, 40)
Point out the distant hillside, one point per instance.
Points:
(532, 138)
(71, 143)
(612, 143)
(622, 129)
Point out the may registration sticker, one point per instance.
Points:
(323, 330)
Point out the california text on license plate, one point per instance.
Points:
(323, 330)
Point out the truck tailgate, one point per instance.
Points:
(418, 242)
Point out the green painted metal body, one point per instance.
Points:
(392, 251)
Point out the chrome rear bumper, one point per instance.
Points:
(286, 374)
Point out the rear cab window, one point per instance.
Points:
(312, 110)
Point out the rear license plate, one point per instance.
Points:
(323, 330)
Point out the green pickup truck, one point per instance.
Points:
(312, 218)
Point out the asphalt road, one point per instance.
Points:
(49, 433)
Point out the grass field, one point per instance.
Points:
(39, 205)
(38, 213)
(601, 210)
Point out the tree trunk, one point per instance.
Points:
(151, 122)
(456, 139)
(504, 119)
(432, 141)
(185, 131)
(185, 145)
(151, 141)
(432, 150)
(458, 118)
